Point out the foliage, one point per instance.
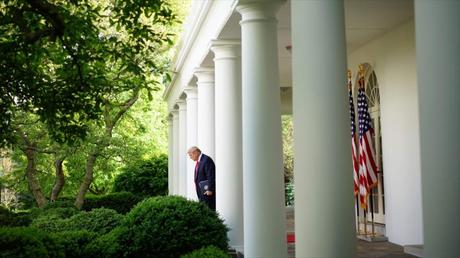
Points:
(49, 222)
(28, 243)
(63, 202)
(288, 153)
(288, 159)
(105, 52)
(98, 221)
(51, 212)
(145, 177)
(122, 202)
(74, 242)
(12, 219)
(79, 51)
(107, 246)
(165, 227)
(289, 193)
(207, 252)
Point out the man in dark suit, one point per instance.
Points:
(204, 170)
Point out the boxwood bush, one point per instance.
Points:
(98, 221)
(106, 246)
(207, 252)
(12, 219)
(73, 243)
(28, 243)
(144, 178)
(163, 227)
(122, 202)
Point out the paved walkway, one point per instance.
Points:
(364, 249)
(370, 250)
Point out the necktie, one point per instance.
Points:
(196, 169)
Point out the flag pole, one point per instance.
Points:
(357, 212)
(372, 210)
(365, 220)
(361, 84)
(353, 149)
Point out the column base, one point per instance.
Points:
(236, 252)
(372, 238)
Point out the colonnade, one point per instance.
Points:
(233, 115)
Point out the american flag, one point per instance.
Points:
(367, 167)
(353, 138)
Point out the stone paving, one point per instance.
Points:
(364, 249)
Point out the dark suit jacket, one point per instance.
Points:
(206, 171)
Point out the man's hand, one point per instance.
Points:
(209, 193)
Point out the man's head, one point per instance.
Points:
(194, 153)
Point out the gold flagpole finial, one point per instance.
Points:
(361, 70)
(349, 79)
(361, 76)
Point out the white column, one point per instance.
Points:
(192, 137)
(175, 172)
(438, 68)
(324, 218)
(182, 152)
(263, 188)
(170, 153)
(229, 158)
(206, 125)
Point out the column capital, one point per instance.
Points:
(258, 10)
(175, 113)
(204, 74)
(226, 49)
(191, 91)
(182, 104)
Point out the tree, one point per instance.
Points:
(63, 50)
(83, 81)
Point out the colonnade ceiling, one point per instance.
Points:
(365, 20)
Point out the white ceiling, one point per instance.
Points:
(365, 20)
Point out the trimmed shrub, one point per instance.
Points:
(48, 224)
(12, 219)
(144, 178)
(168, 227)
(63, 202)
(28, 243)
(53, 219)
(98, 221)
(61, 213)
(74, 242)
(106, 246)
(207, 252)
(122, 202)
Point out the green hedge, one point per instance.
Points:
(107, 246)
(28, 243)
(144, 178)
(207, 252)
(73, 243)
(163, 227)
(98, 221)
(12, 219)
(122, 202)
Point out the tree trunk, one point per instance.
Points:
(34, 185)
(60, 179)
(88, 179)
(91, 160)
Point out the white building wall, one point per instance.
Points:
(393, 59)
